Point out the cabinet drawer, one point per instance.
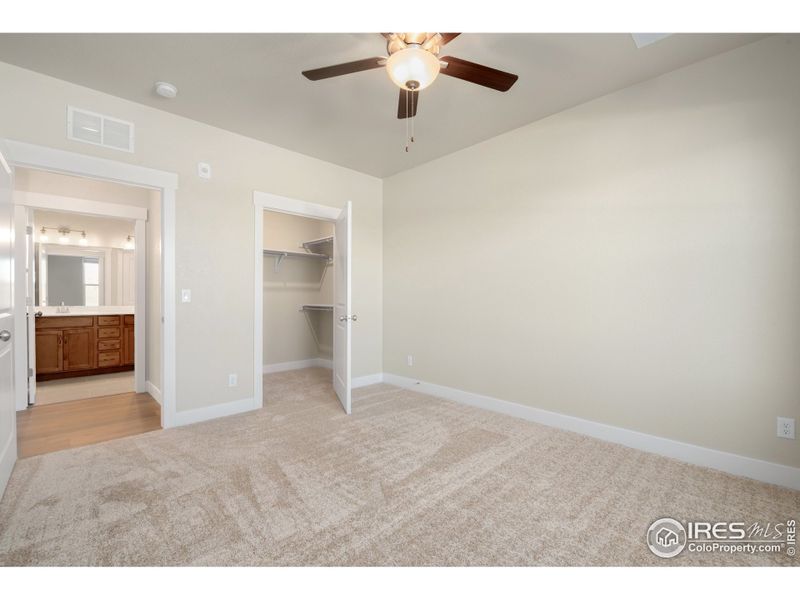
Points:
(108, 332)
(63, 322)
(108, 345)
(108, 359)
(128, 319)
(108, 320)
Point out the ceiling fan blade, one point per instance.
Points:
(345, 68)
(475, 73)
(407, 104)
(448, 37)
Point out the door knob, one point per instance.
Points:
(343, 318)
(5, 335)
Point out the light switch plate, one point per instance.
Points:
(186, 296)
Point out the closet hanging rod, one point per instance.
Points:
(316, 307)
(281, 254)
(318, 241)
(288, 253)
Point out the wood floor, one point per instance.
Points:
(43, 429)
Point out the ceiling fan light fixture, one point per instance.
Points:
(412, 68)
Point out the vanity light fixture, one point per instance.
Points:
(130, 243)
(63, 235)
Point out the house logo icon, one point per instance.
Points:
(666, 537)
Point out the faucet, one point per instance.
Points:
(62, 309)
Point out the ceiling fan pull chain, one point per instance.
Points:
(407, 119)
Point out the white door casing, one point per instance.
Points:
(80, 165)
(8, 420)
(342, 309)
(22, 295)
(341, 218)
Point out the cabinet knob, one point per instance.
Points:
(5, 335)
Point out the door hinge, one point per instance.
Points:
(30, 372)
(29, 229)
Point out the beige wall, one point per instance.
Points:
(289, 334)
(43, 182)
(214, 231)
(633, 261)
(101, 232)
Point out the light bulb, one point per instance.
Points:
(83, 241)
(412, 68)
(43, 236)
(63, 239)
(130, 244)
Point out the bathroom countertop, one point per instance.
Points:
(85, 311)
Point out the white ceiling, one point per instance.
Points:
(251, 84)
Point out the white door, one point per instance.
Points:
(8, 421)
(342, 315)
(30, 301)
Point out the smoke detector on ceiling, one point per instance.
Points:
(166, 90)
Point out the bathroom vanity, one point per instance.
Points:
(74, 345)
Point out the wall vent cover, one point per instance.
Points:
(100, 130)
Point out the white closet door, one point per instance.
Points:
(342, 316)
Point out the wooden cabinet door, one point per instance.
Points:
(128, 346)
(79, 350)
(48, 351)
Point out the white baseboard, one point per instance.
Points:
(298, 364)
(187, 417)
(8, 456)
(364, 380)
(154, 392)
(742, 466)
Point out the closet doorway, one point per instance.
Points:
(303, 317)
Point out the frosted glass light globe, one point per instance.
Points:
(412, 68)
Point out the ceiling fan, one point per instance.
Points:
(414, 63)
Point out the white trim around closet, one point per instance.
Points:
(261, 202)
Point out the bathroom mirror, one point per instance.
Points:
(72, 276)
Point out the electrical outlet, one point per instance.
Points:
(204, 170)
(786, 428)
(410, 360)
(233, 380)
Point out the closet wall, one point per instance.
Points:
(291, 334)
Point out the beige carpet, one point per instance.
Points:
(406, 480)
